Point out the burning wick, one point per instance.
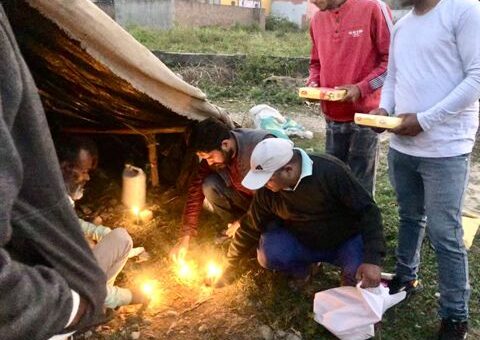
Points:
(148, 287)
(136, 212)
(214, 272)
(185, 271)
(152, 289)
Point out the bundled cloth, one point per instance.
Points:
(351, 312)
(267, 118)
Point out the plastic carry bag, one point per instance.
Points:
(268, 118)
(351, 312)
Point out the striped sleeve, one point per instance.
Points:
(381, 32)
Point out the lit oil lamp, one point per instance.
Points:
(148, 287)
(151, 289)
(185, 271)
(136, 212)
(214, 271)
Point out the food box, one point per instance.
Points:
(322, 93)
(377, 121)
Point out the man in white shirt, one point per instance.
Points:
(433, 83)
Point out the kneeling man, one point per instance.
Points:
(308, 209)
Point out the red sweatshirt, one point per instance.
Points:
(350, 46)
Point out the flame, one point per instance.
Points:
(148, 287)
(153, 291)
(214, 271)
(186, 271)
(136, 211)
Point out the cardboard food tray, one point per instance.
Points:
(377, 121)
(321, 93)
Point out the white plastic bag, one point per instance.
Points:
(351, 312)
(268, 118)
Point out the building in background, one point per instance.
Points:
(265, 4)
(166, 14)
(301, 11)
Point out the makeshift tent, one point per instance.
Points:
(93, 76)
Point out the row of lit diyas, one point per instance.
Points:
(186, 272)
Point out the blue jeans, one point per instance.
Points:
(356, 146)
(433, 188)
(227, 203)
(279, 250)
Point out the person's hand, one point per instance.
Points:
(409, 126)
(353, 92)
(369, 274)
(312, 84)
(179, 251)
(228, 277)
(378, 112)
(232, 228)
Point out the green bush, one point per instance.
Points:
(274, 23)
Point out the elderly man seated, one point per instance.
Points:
(77, 157)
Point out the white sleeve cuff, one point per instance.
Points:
(423, 121)
(75, 306)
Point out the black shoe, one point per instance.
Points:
(411, 287)
(451, 329)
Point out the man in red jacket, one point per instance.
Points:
(350, 42)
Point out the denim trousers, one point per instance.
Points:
(356, 146)
(430, 194)
(227, 202)
(280, 250)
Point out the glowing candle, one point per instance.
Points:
(152, 290)
(214, 271)
(148, 287)
(185, 271)
(136, 212)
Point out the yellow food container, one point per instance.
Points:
(322, 93)
(377, 121)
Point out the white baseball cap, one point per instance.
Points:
(267, 157)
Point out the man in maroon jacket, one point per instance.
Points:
(350, 42)
(225, 155)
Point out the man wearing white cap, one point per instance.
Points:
(308, 209)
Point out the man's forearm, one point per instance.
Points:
(371, 228)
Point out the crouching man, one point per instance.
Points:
(308, 209)
(225, 156)
(77, 157)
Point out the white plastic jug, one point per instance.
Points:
(134, 187)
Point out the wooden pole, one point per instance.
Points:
(150, 140)
(152, 157)
(179, 129)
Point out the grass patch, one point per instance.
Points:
(236, 40)
(250, 80)
(265, 57)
